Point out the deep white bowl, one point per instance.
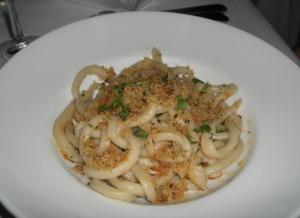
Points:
(35, 87)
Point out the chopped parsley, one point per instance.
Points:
(140, 133)
(103, 108)
(164, 78)
(181, 103)
(203, 128)
(117, 102)
(205, 88)
(195, 80)
(142, 84)
(130, 84)
(124, 113)
(191, 139)
(118, 89)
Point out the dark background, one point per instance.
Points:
(284, 16)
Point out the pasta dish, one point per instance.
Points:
(153, 132)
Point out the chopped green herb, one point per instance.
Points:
(124, 113)
(117, 102)
(130, 84)
(181, 103)
(164, 78)
(103, 108)
(204, 89)
(141, 84)
(195, 80)
(118, 89)
(203, 128)
(191, 139)
(140, 133)
(90, 125)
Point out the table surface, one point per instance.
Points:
(39, 17)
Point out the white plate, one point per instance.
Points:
(35, 87)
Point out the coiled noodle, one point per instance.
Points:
(153, 132)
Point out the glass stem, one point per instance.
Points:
(15, 26)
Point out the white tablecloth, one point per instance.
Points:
(41, 16)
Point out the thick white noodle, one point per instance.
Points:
(144, 118)
(101, 72)
(227, 91)
(104, 142)
(221, 136)
(196, 172)
(90, 126)
(225, 162)
(79, 127)
(84, 97)
(193, 191)
(131, 187)
(164, 179)
(179, 139)
(152, 172)
(129, 176)
(113, 132)
(86, 133)
(144, 152)
(190, 185)
(80, 105)
(146, 162)
(111, 192)
(198, 175)
(162, 109)
(145, 180)
(228, 111)
(192, 133)
(209, 149)
(132, 157)
(69, 131)
(219, 144)
(149, 145)
(97, 133)
(195, 136)
(60, 137)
